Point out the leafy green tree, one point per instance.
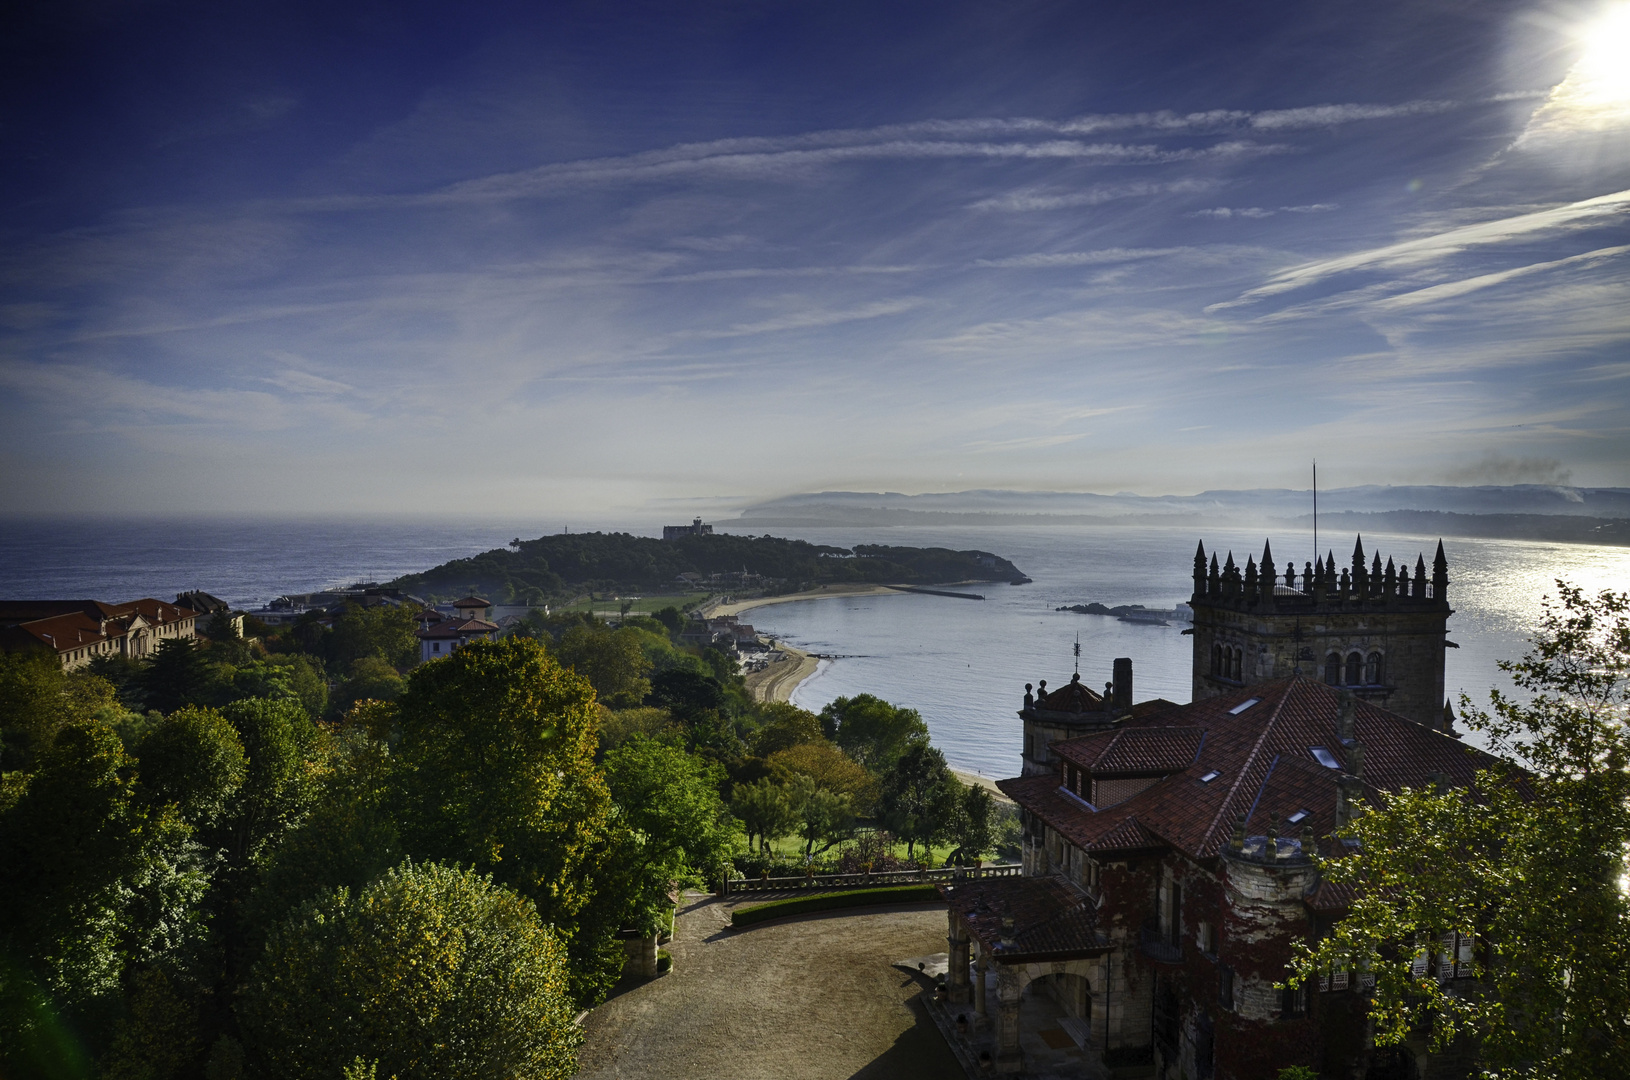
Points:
(122, 673)
(784, 725)
(766, 810)
(823, 817)
(611, 660)
(429, 972)
(379, 632)
(347, 838)
(284, 752)
(831, 769)
(92, 881)
(284, 677)
(973, 825)
(193, 759)
(31, 706)
(920, 797)
(617, 726)
(1529, 865)
(496, 744)
(686, 694)
(872, 731)
(670, 617)
(679, 829)
(371, 679)
(177, 674)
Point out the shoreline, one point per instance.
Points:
(973, 779)
(819, 593)
(780, 678)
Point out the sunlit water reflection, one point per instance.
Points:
(964, 664)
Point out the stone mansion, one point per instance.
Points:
(1166, 852)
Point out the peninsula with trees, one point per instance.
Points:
(566, 565)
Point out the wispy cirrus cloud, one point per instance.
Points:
(1043, 199)
(809, 320)
(1434, 246)
(1226, 212)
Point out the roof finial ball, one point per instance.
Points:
(1029, 698)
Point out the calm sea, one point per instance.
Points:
(962, 663)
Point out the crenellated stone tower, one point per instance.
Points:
(1380, 632)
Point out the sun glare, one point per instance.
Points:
(1594, 97)
(1603, 72)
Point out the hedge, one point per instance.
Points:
(903, 894)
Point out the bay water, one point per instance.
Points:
(961, 663)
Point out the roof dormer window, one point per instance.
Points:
(1324, 757)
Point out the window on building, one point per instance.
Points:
(1242, 706)
(1355, 668)
(1216, 659)
(1172, 917)
(1373, 670)
(1297, 818)
(1225, 987)
(1239, 656)
(1332, 670)
(435, 646)
(1293, 1002)
(1209, 775)
(1324, 757)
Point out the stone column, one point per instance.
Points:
(1009, 1057)
(956, 970)
(981, 1013)
(648, 956)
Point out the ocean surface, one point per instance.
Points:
(962, 663)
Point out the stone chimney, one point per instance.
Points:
(1123, 682)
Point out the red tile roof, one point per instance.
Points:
(456, 628)
(1263, 759)
(1050, 920)
(1134, 749)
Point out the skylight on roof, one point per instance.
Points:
(1242, 706)
(1210, 776)
(1297, 818)
(1324, 757)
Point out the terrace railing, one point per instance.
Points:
(828, 882)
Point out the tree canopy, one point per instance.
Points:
(430, 972)
(1521, 878)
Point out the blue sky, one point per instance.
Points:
(616, 259)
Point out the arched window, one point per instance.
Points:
(1238, 656)
(1332, 670)
(1374, 670)
(1355, 668)
(1216, 660)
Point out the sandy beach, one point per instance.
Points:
(739, 606)
(781, 677)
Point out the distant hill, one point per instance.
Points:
(1574, 514)
(1557, 527)
(1279, 502)
(573, 563)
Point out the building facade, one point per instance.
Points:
(695, 528)
(79, 631)
(1168, 872)
(1378, 631)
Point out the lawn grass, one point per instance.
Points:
(791, 849)
(606, 606)
(802, 905)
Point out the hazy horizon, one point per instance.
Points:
(612, 263)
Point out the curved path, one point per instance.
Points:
(806, 998)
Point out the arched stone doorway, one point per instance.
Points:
(1069, 991)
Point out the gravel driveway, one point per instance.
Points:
(805, 998)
